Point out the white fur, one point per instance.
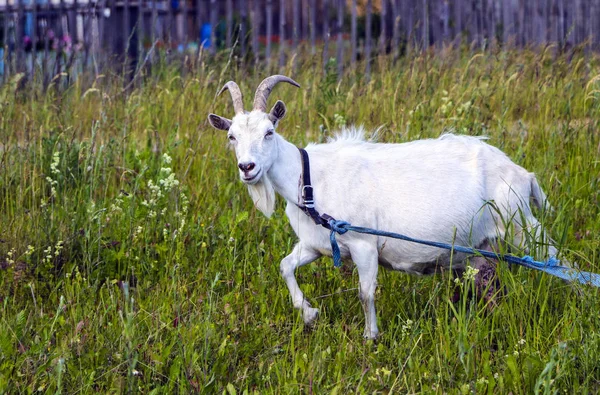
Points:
(263, 195)
(454, 189)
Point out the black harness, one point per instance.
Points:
(308, 200)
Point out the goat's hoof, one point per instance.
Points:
(310, 315)
(370, 334)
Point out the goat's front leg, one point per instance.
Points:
(365, 257)
(301, 255)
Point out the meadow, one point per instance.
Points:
(132, 258)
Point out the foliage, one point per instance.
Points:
(131, 258)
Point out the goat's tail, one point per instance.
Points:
(538, 196)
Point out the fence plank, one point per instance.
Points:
(269, 31)
(382, 34)
(326, 33)
(368, 34)
(340, 26)
(34, 39)
(396, 28)
(7, 51)
(295, 28)
(19, 36)
(229, 22)
(243, 16)
(281, 33)
(313, 27)
(255, 30)
(353, 35)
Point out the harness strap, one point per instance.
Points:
(308, 200)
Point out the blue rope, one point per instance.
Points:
(551, 266)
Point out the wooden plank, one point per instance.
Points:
(396, 28)
(353, 38)
(295, 27)
(368, 34)
(34, 39)
(304, 10)
(45, 72)
(154, 18)
(507, 25)
(229, 21)
(61, 33)
(269, 30)
(340, 27)
(20, 66)
(445, 17)
(126, 30)
(281, 33)
(88, 26)
(382, 35)
(425, 26)
(244, 16)
(184, 22)
(255, 29)
(6, 17)
(458, 20)
(100, 38)
(326, 33)
(212, 14)
(313, 26)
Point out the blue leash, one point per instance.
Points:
(551, 266)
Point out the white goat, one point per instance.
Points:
(437, 189)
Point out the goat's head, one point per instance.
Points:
(252, 134)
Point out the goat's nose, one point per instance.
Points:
(246, 167)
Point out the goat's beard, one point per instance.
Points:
(263, 195)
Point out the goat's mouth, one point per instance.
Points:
(251, 179)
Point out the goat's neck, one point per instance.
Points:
(286, 170)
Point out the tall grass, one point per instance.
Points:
(132, 259)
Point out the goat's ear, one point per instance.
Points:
(277, 112)
(218, 122)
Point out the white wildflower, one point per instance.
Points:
(55, 163)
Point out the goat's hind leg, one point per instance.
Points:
(301, 255)
(487, 284)
(365, 257)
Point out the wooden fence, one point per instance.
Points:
(46, 38)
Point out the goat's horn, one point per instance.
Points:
(236, 96)
(264, 90)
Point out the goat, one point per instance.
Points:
(453, 189)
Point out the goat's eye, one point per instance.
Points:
(231, 138)
(269, 133)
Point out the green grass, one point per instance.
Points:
(116, 278)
